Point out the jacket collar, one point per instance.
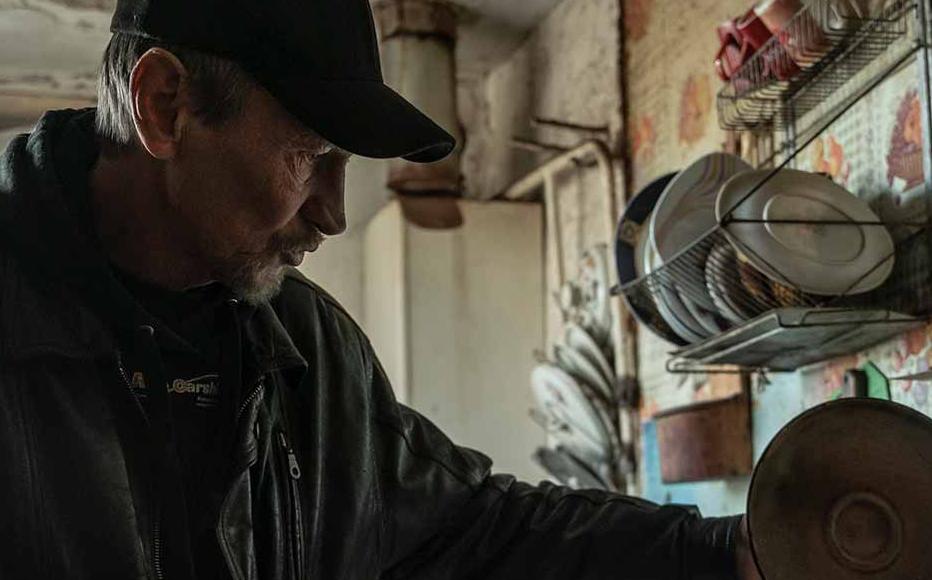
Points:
(269, 341)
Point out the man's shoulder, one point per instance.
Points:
(302, 302)
(299, 290)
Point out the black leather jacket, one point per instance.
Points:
(332, 479)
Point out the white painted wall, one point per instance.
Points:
(337, 268)
(471, 318)
(385, 295)
(50, 48)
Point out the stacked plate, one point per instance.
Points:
(574, 395)
(719, 244)
(803, 230)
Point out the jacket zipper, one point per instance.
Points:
(157, 548)
(260, 386)
(294, 501)
(156, 527)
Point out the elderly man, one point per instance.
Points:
(176, 402)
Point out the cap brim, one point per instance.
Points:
(364, 117)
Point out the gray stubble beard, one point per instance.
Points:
(256, 278)
(256, 281)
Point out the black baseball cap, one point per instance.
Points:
(318, 58)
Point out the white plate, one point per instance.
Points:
(724, 284)
(640, 247)
(671, 308)
(824, 259)
(707, 319)
(640, 255)
(581, 368)
(568, 469)
(685, 213)
(594, 279)
(578, 423)
(582, 342)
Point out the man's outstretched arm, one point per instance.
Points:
(446, 517)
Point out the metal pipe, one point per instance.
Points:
(537, 147)
(525, 188)
(554, 232)
(558, 124)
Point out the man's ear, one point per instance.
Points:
(160, 97)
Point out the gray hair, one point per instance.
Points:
(218, 86)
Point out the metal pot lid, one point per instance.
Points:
(842, 493)
(823, 259)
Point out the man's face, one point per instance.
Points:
(255, 193)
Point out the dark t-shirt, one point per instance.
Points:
(192, 373)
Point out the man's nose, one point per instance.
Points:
(325, 206)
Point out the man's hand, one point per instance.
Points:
(747, 569)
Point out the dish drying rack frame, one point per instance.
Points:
(782, 327)
(785, 328)
(830, 50)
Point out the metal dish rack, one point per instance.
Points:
(790, 328)
(784, 328)
(775, 325)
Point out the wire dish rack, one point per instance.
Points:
(804, 66)
(741, 316)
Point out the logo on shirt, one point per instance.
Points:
(203, 390)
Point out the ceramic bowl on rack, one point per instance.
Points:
(805, 232)
(740, 291)
(685, 211)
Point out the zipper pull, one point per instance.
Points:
(293, 469)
